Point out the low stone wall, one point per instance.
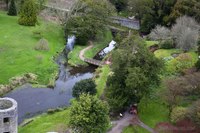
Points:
(17, 81)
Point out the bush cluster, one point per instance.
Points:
(42, 45)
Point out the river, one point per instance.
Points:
(33, 101)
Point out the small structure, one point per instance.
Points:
(8, 115)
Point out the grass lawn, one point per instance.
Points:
(73, 56)
(152, 111)
(17, 54)
(150, 43)
(74, 59)
(162, 53)
(48, 122)
(100, 81)
(134, 129)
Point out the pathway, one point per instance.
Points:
(90, 60)
(129, 119)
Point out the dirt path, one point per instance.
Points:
(127, 120)
(82, 52)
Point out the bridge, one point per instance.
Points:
(94, 62)
(129, 23)
(90, 60)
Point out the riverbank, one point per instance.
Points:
(17, 49)
(99, 44)
(58, 121)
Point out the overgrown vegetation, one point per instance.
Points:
(135, 69)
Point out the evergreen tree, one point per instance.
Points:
(89, 115)
(12, 11)
(28, 13)
(84, 86)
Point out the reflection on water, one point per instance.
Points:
(32, 101)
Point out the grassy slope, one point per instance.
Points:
(152, 111)
(17, 54)
(101, 80)
(74, 59)
(48, 122)
(150, 43)
(134, 129)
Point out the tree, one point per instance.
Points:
(89, 115)
(120, 4)
(185, 7)
(160, 33)
(151, 12)
(90, 20)
(86, 86)
(28, 13)
(194, 112)
(12, 11)
(185, 33)
(135, 70)
(181, 89)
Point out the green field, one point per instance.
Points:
(17, 53)
(100, 81)
(48, 122)
(134, 129)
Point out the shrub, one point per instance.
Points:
(28, 13)
(12, 11)
(194, 112)
(84, 86)
(183, 61)
(178, 113)
(166, 44)
(42, 45)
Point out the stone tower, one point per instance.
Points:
(8, 115)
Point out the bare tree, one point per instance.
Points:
(62, 10)
(185, 33)
(160, 33)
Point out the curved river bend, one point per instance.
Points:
(33, 101)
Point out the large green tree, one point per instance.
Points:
(84, 86)
(28, 13)
(90, 20)
(89, 115)
(135, 69)
(185, 7)
(151, 12)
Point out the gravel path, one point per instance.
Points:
(82, 52)
(128, 119)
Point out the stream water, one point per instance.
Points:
(33, 101)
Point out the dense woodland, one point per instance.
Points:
(155, 68)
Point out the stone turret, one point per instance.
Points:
(8, 115)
